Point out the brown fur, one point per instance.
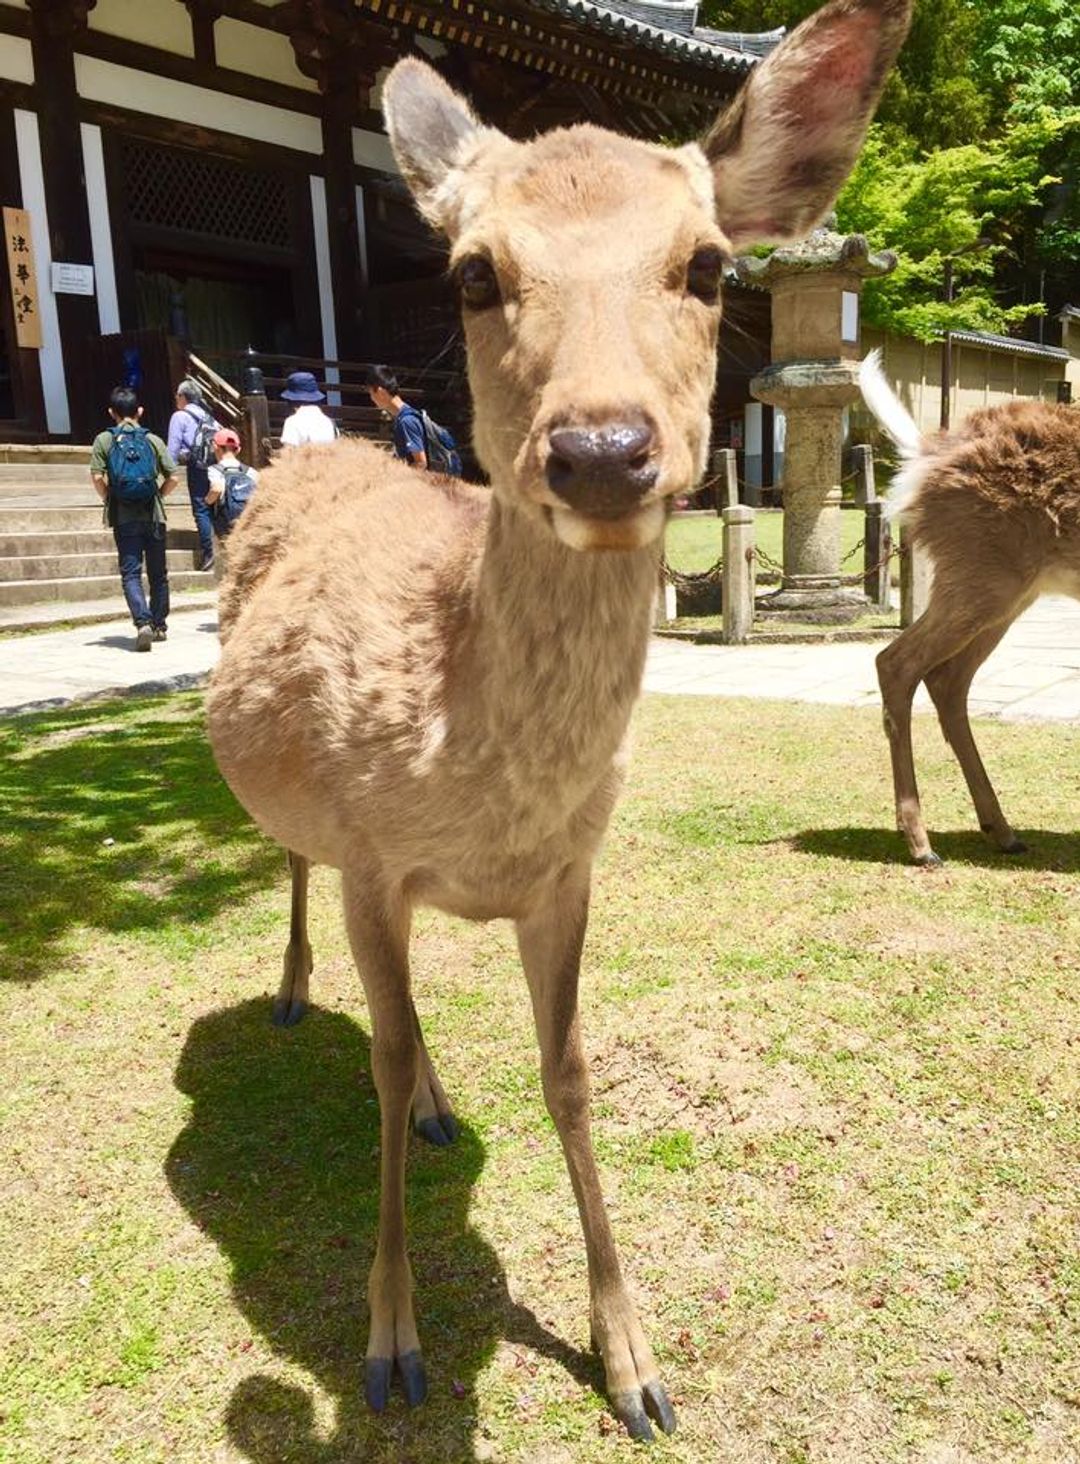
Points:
(429, 686)
(997, 507)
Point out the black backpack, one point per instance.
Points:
(239, 486)
(202, 449)
(132, 465)
(440, 448)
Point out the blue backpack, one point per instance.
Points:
(239, 487)
(133, 465)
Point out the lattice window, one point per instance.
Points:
(207, 196)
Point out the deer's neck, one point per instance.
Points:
(560, 645)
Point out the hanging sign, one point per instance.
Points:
(73, 279)
(24, 290)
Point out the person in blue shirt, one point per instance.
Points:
(408, 425)
(410, 440)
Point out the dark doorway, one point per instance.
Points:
(218, 306)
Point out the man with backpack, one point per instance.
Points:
(417, 439)
(231, 483)
(132, 471)
(191, 441)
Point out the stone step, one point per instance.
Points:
(103, 608)
(36, 567)
(71, 541)
(51, 475)
(78, 587)
(34, 454)
(71, 517)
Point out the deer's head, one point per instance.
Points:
(589, 265)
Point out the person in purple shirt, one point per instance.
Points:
(183, 442)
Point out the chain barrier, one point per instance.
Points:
(689, 581)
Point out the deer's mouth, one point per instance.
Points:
(622, 532)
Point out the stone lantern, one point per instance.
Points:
(815, 287)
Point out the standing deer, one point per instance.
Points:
(996, 505)
(428, 685)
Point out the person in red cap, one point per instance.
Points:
(231, 483)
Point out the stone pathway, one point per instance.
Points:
(1034, 673)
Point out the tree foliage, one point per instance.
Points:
(974, 157)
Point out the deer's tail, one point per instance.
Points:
(900, 425)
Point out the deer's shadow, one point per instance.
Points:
(279, 1165)
(1046, 848)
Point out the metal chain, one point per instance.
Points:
(713, 575)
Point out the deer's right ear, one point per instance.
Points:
(428, 125)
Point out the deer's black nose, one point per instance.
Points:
(603, 469)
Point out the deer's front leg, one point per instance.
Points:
(378, 925)
(550, 941)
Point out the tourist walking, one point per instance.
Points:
(308, 422)
(191, 442)
(231, 483)
(417, 439)
(132, 471)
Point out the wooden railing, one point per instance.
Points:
(442, 393)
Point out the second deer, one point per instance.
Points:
(996, 506)
(429, 686)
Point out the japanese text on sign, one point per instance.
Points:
(24, 290)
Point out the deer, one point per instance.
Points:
(428, 684)
(995, 504)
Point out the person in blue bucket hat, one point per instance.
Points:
(308, 422)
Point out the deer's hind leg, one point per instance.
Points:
(948, 685)
(291, 1002)
(431, 1111)
(964, 610)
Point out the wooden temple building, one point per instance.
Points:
(213, 176)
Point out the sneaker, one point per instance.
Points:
(144, 638)
(160, 633)
(207, 566)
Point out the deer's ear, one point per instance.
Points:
(428, 124)
(782, 150)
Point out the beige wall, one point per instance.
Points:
(981, 377)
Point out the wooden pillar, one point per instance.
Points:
(342, 53)
(54, 25)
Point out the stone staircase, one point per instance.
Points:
(54, 549)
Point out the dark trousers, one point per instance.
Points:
(134, 542)
(198, 484)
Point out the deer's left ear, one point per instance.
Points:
(781, 151)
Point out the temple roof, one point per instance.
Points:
(669, 26)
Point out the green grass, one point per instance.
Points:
(837, 1110)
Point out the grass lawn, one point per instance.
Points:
(837, 1114)
(694, 544)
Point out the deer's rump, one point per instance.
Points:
(1020, 461)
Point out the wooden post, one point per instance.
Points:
(254, 419)
(865, 488)
(727, 471)
(915, 577)
(877, 563)
(739, 573)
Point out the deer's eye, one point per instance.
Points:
(477, 283)
(704, 273)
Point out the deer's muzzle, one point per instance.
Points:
(603, 470)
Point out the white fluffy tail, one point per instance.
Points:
(900, 425)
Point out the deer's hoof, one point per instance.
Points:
(1016, 847)
(288, 1012)
(378, 1372)
(636, 1406)
(440, 1130)
(929, 860)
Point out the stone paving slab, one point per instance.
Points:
(1033, 674)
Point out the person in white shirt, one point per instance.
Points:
(308, 423)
